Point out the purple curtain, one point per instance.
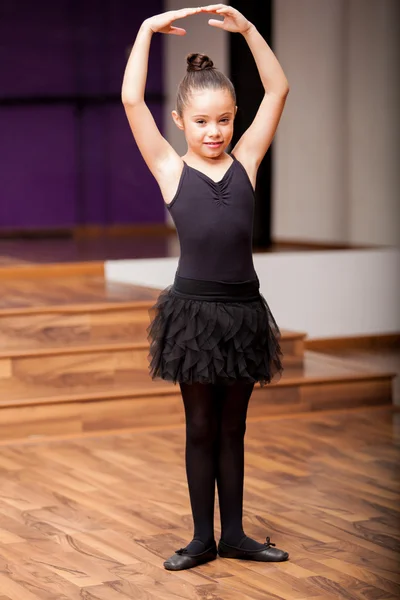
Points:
(67, 156)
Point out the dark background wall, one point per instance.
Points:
(67, 157)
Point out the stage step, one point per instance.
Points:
(86, 315)
(90, 330)
(118, 397)
(80, 370)
(59, 330)
(74, 358)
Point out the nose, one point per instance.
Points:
(213, 130)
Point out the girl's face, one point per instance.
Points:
(208, 122)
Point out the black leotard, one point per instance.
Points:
(214, 222)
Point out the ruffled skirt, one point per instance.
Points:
(213, 332)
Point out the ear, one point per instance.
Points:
(235, 110)
(177, 120)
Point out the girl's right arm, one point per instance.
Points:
(158, 154)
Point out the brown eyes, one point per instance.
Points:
(200, 122)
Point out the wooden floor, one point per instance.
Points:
(95, 517)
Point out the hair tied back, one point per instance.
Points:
(198, 62)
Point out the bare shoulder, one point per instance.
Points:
(248, 163)
(168, 175)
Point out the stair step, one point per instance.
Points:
(83, 369)
(129, 399)
(49, 333)
(74, 358)
(85, 315)
(70, 371)
(117, 375)
(55, 331)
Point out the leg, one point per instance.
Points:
(201, 438)
(233, 404)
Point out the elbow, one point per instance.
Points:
(285, 90)
(280, 92)
(129, 97)
(124, 98)
(130, 101)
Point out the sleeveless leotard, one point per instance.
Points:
(214, 223)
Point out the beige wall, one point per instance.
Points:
(374, 121)
(337, 149)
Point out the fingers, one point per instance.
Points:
(216, 23)
(218, 8)
(177, 31)
(185, 12)
(212, 7)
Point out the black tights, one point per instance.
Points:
(215, 430)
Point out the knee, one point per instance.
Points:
(201, 432)
(233, 430)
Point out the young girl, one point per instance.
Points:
(212, 330)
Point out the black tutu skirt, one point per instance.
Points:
(213, 332)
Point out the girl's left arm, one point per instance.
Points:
(255, 141)
(258, 137)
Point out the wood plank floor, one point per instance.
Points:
(95, 517)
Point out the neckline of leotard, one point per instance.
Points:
(209, 178)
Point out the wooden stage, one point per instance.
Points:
(93, 492)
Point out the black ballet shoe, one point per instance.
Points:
(266, 554)
(182, 560)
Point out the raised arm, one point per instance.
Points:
(255, 141)
(156, 151)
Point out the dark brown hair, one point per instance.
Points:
(201, 74)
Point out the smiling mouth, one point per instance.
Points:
(213, 143)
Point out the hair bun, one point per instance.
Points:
(198, 62)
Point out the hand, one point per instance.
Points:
(233, 21)
(162, 23)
